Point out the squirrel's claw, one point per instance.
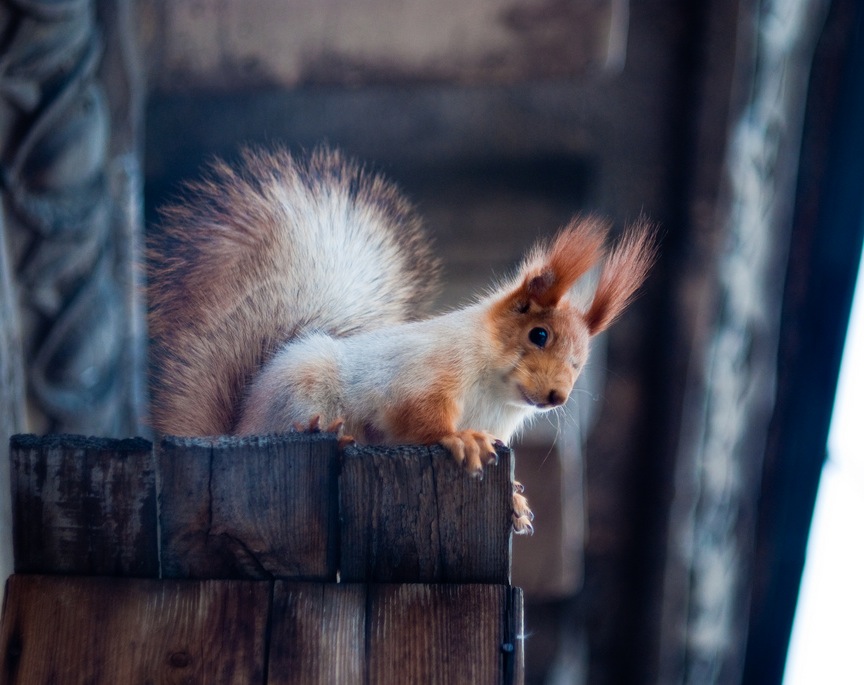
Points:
(522, 515)
(314, 425)
(335, 426)
(472, 449)
(346, 441)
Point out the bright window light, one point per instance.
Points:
(828, 632)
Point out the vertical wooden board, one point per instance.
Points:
(317, 634)
(108, 630)
(475, 520)
(183, 485)
(437, 634)
(257, 507)
(389, 515)
(411, 514)
(84, 505)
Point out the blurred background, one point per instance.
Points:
(674, 498)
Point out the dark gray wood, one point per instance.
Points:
(411, 514)
(256, 507)
(103, 631)
(84, 505)
(318, 634)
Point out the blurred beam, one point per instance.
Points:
(825, 256)
(731, 393)
(243, 44)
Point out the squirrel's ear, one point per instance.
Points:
(550, 271)
(622, 275)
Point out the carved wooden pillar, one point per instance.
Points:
(71, 189)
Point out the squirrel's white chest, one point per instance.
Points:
(488, 406)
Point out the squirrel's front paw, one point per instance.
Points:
(471, 449)
(522, 515)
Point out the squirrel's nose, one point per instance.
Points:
(556, 398)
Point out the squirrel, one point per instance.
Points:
(288, 293)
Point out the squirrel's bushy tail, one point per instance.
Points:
(259, 253)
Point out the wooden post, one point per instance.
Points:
(249, 527)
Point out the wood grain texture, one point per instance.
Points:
(108, 631)
(411, 514)
(318, 634)
(84, 505)
(111, 630)
(443, 634)
(257, 507)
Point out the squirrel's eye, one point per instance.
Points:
(538, 336)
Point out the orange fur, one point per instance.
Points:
(550, 272)
(426, 416)
(623, 273)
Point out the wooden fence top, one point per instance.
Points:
(288, 507)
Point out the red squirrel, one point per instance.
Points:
(285, 292)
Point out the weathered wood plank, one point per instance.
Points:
(444, 634)
(318, 634)
(411, 514)
(257, 507)
(84, 505)
(389, 633)
(107, 630)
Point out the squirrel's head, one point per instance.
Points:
(542, 330)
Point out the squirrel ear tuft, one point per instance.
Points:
(552, 270)
(537, 286)
(622, 275)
